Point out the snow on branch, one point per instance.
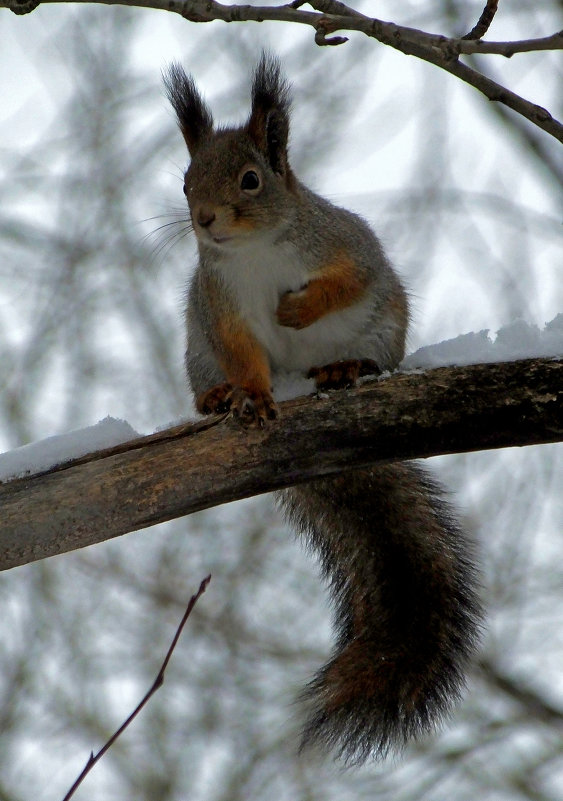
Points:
(198, 465)
(329, 16)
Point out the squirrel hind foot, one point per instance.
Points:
(342, 374)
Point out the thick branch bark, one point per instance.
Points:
(330, 16)
(195, 466)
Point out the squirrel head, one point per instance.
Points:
(239, 182)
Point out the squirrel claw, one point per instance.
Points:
(247, 406)
(245, 411)
(216, 400)
(253, 407)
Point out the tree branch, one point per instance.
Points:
(198, 465)
(330, 16)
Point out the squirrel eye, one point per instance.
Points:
(184, 190)
(249, 181)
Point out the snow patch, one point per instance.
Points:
(517, 340)
(47, 453)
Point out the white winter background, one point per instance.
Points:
(467, 200)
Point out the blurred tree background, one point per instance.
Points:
(466, 197)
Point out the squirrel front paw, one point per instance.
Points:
(253, 406)
(247, 405)
(216, 400)
(295, 311)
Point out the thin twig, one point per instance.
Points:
(493, 91)
(158, 682)
(484, 23)
(508, 49)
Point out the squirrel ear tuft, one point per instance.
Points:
(194, 117)
(268, 126)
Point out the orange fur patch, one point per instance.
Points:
(335, 286)
(241, 356)
(243, 360)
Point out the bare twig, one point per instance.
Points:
(158, 682)
(495, 91)
(508, 49)
(329, 16)
(484, 22)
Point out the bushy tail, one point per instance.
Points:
(403, 583)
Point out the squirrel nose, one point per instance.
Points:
(205, 217)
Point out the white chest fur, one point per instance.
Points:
(257, 276)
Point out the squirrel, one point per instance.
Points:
(286, 281)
